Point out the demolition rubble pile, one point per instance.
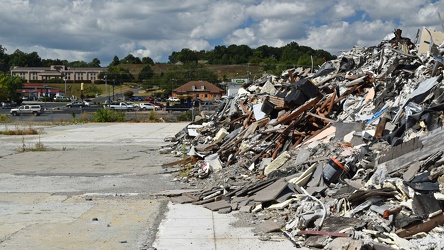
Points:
(347, 157)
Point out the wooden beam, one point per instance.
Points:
(191, 159)
(423, 227)
(298, 111)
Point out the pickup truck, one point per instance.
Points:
(119, 106)
(27, 110)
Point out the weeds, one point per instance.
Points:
(152, 116)
(185, 116)
(4, 119)
(38, 147)
(108, 115)
(17, 131)
(186, 170)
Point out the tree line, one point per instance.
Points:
(291, 54)
(192, 64)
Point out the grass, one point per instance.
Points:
(4, 119)
(38, 147)
(102, 89)
(186, 170)
(17, 131)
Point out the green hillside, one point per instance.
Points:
(222, 71)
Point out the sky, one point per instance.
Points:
(81, 30)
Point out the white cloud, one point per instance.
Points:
(218, 20)
(87, 29)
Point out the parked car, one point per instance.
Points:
(34, 110)
(148, 106)
(138, 99)
(61, 99)
(77, 104)
(118, 106)
(8, 104)
(173, 99)
(132, 105)
(158, 104)
(149, 99)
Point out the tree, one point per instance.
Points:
(3, 56)
(130, 59)
(33, 60)
(147, 60)
(146, 73)
(218, 55)
(18, 58)
(186, 56)
(173, 57)
(49, 62)
(239, 53)
(94, 63)
(269, 65)
(118, 75)
(181, 74)
(9, 86)
(78, 64)
(115, 61)
(2, 50)
(128, 94)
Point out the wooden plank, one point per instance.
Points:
(277, 101)
(423, 227)
(298, 111)
(191, 159)
(320, 117)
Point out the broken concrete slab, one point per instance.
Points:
(277, 163)
(268, 226)
(217, 205)
(271, 192)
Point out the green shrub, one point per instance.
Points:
(108, 115)
(152, 116)
(185, 116)
(45, 99)
(4, 119)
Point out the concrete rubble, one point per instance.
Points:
(347, 157)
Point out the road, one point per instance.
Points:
(57, 111)
(92, 187)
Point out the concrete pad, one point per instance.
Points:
(189, 226)
(59, 222)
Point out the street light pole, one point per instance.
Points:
(106, 86)
(114, 83)
(64, 78)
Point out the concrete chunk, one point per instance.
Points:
(277, 163)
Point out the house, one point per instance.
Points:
(199, 90)
(58, 72)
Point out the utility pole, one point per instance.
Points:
(107, 88)
(64, 78)
(114, 83)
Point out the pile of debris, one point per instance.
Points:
(350, 155)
